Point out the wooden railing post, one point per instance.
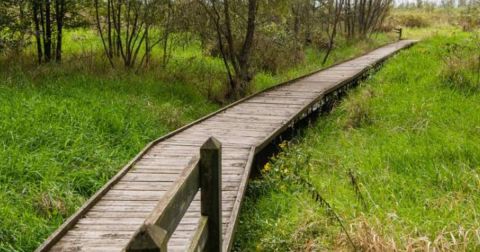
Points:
(399, 31)
(211, 192)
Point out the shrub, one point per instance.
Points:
(413, 20)
(14, 26)
(461, 67)
(276, 49)
(470, 19)
(457, 74)
(358, 109)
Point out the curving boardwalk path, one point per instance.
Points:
(110, 218)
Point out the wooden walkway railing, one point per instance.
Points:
(205, 174)
(184, 191)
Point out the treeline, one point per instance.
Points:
(245, 34)
(426, 4)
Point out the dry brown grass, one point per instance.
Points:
(461, 67)
(412, 20)
(365, 237)
(47, 205)
(358, 110)
(305, 236)
(470, 19)
(370, 237)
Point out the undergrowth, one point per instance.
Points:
(461, 69)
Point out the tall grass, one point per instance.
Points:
(415, 167)
(62, 136)
(461, 69)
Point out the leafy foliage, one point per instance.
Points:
(14, 25)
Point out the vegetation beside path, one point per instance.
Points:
(398, 162)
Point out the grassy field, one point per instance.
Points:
(63, 135)
(398, 162)
(66, 129)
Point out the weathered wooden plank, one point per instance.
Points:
(200, 238)
(155, 170)
(110, 221)
(158, 157)
(237, 205)
(270, 106)
(140, 208)
(109, 228)
(279, 101)
(264, 112)
(239, 123)
(117, 214)
(94, 235)
(150, 177)
(252, 117)
(169, 211)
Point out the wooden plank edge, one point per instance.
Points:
(233, 222)
(200, 237)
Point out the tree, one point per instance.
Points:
(362, 17)
(125, 28)
(44, 21)
(235, 39)
(335, 8)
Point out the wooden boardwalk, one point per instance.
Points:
(109, 220)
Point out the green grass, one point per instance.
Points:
(66, 129)
(411, 144)
(63, 135)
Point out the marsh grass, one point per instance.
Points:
(416, 165)
(63, 135)
(461, 69)
(358, 110)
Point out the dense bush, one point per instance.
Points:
(401, 19)
(276, 49)
(470, 18)
(14, 26)
(461, 66)
(411, 20)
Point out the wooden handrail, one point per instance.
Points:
(399, 31)
(202, 173)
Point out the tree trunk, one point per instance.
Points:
(59, 16)
(242, 71)
(109, 29)
(36, 21)
(47, 43)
